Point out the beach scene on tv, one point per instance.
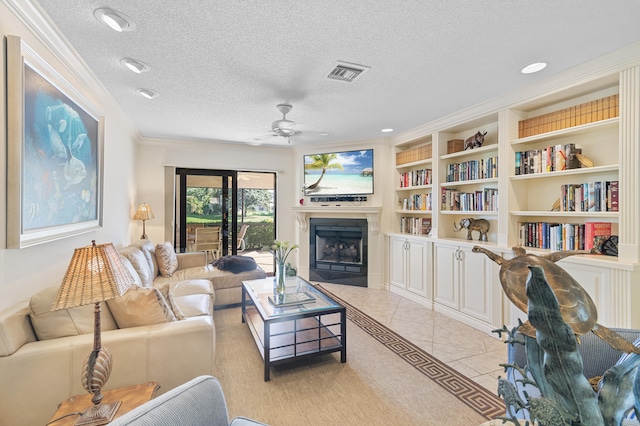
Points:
(339, 173)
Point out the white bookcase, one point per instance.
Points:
(611, 141)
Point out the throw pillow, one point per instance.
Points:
(148, 249)
(165, 289)
(167, 259)
(140, 306)
(235, 264)
(139, 263)
(50, 324)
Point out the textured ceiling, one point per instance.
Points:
(221, 67)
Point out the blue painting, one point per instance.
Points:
(60, 156)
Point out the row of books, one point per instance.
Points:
(550, 159)
(587, 112)
(415, 225)
(418, 202)
(416, 178)
(484, 200)
(598, 196)
(413, 155)
(485, 168)
(563, 236)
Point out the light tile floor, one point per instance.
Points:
(473, 353)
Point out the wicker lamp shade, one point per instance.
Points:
(95, 274)
(144, 213)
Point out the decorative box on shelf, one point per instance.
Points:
(455, 145)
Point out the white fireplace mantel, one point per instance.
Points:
(372, 214)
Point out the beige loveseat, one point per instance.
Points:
(152, 268)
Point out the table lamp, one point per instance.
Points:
(143, 213)
(95, 274)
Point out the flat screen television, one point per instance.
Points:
(339, 173)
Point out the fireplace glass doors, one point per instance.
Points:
(338, 251)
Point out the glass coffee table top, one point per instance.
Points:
(263, 289)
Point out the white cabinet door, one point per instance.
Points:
(465, 283)
(477, 280)
(596, 281)
(417, 267)
(446, 275)
(397, 262)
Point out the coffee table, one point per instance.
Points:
(289, 333)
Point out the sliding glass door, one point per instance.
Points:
(205, 199)
(225, 212)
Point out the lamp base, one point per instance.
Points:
(98, 415)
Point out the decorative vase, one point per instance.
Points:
(280, 277)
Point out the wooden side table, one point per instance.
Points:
(131, 397)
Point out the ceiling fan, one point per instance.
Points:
(284, 127)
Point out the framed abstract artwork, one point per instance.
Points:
(54, 153)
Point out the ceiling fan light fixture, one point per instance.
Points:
(283, 125)
(117, 21)
(135, 65)
(147, 93)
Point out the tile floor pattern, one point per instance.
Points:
(473, 353)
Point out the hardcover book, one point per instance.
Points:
(290, 299)
(595, 234)
(614, 195)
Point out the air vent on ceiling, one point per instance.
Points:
(345, 71)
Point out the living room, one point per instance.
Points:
(139, 169)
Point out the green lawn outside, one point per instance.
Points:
(217, 219)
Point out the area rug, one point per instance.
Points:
(466, 390)
(385, 381)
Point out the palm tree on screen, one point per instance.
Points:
(322, 162)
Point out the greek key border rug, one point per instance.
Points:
(466, 390)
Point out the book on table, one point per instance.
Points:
(290, 299)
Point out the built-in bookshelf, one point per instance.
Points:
(554, 166)
(414, 188)
(564, 173)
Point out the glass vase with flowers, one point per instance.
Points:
(281, 250)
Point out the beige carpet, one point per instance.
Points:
(377, 386)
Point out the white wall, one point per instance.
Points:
(154, 154)
(25, 271)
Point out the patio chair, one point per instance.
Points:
(241, 244)
(208, 240)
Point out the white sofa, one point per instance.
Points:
(39, 368)
(164, 336)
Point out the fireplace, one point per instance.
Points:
(338, 251)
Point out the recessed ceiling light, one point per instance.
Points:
(323, 134)
(147, 93)
(386, 130)
(118, 21)
(135, 65)
(535, 67)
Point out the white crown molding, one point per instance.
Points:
(31, 15)
(594, 69)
